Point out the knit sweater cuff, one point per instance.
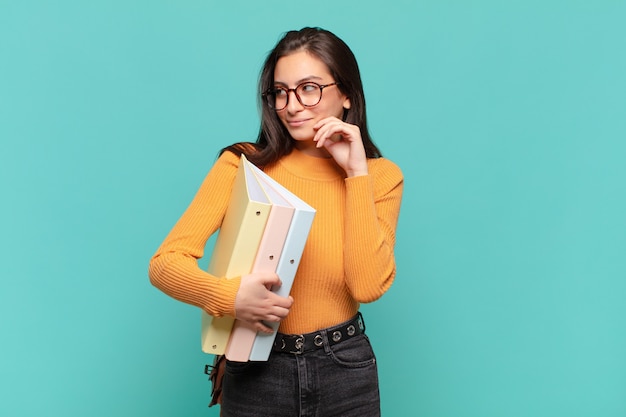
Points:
(223, 299)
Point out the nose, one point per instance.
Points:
(293, 104)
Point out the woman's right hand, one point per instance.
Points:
(256, 304)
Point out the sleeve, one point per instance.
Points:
(174, 267)
(372, 210)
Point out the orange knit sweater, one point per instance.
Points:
(348, 258)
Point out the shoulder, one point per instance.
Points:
(227, 161)
(224, 169)
(229, 157)
(384, 170)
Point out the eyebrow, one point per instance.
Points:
(303, 80)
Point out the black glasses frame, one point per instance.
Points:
(271, 91)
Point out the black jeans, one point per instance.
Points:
(339, 380)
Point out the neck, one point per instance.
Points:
(309, 148)
(310, 166)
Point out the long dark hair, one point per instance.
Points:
(274, 140)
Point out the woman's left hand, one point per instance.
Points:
(344, 143)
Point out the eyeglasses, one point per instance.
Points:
(309, 94)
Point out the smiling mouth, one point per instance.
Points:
(296, 123)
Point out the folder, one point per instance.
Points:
(289, 261)
(243, 334)
(236, 247)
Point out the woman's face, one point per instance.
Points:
(291, 71)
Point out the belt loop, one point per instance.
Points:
(361, 322)
(325, 343)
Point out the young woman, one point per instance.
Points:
(313, 140)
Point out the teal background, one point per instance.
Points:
(507, 118)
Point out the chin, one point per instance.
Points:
(301, 136)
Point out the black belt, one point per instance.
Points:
(300, 343)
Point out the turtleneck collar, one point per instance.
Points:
(311, 167)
